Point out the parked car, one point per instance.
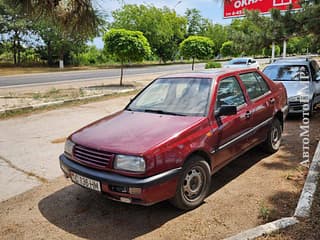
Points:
(175, 134)
(242, 63)
(301, 77)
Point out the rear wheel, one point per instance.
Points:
(193, 185)
(273, 141)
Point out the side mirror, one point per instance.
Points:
(227, 110)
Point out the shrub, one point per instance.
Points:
(213, 65)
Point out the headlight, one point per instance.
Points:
(130, 163)
(294, 99)
(68, 147)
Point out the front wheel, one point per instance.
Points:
(193, 185)
(311, 110)
(273, 141)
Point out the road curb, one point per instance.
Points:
(302, 210)
(264, 229)
(309, 188)
(60, 102)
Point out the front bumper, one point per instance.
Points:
(152, 189)
(297, 107)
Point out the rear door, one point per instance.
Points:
(261, 105)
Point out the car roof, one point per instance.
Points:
(297, 60)
(215, 73)
(242, 58)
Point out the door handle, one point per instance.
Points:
(248, 114)
(272, 100)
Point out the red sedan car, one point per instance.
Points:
(175, 134)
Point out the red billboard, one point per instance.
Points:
(235, 8)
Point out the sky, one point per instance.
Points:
(211, 9)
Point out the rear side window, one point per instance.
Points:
(256, 86)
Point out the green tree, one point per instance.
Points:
(163, 28)
(58, 43)
(267, 51)
(218, 34)
(250, 34)
(126, 46)
(73, 16)
(196, 24)
(308, 21)
(197, 47)
(92, 56)
(227, 49)
(16, 28)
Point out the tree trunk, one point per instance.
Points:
(14, 48)
(284, 50)
(49, 52)
(61, 63)
(273, 52)
(19, 51)
(192, 64)
(121, 74)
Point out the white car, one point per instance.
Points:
(242, 63)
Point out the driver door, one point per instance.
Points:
(230, 138)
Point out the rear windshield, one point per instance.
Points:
(287, 72)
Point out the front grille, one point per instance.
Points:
(92, 157)
(295, 104)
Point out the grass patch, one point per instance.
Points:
(265, 213)
(212, 65)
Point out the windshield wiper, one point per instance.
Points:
(163, 112)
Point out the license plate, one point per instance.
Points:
(86, 182)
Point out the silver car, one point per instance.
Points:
(244, 62)
(301, 77)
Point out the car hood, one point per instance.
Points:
(132, 132)
(296, 88)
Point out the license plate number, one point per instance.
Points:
(86, 182)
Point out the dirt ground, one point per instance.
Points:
(307, 229)
(251, 190)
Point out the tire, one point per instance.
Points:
(273, 141)
(193, 185)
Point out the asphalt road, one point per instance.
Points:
(88, 75)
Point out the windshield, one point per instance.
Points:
(238, 61)
(287, 72)
(174, 96)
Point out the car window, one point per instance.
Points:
(315, 71)
(287, 72)
(264, 86)
(255, 84)
(238, 61)
(229, 93)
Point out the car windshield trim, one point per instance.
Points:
(163, 112)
